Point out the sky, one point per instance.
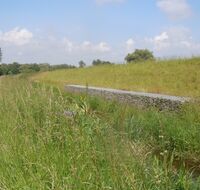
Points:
(67, 31)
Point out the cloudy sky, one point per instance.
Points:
(66, 31)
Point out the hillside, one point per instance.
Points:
(174, 77)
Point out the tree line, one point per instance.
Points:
(139, 55)
(17, 68)
(95, 63)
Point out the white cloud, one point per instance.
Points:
(161, 41)
(174, 41)
(108, 1)
(175, 9)
(16, 36)
(130, 44)
(68, 45)
(19, 45)
(86, 47)
(162, 37)
(103, 47)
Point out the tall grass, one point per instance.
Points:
(49, 140)
(174, 77)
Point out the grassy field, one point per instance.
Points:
(52, 140)
(174, 77)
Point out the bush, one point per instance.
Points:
(100, 62)
(139, 55)
(81, 64)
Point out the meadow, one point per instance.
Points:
(174, 77)
(53, 140)
(50, 139)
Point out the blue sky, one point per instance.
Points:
(66, 31)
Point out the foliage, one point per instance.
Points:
(1, 71)
(44, 67)
(61, 66)
(28, 68)
(100, 62)
(7, 69)
(82, 64)
(100, 146)
(16, 68)
(139, 55)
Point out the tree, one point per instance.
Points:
(35, 67)
(0, 55)
(1, 71)
(4, 69)
(139, 55)
(62, 66)
(14, 68)
(81, 64)
(100, 62)
(44, 67)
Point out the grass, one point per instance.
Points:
(173, 77)
(53, 140)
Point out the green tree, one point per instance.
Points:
(81, 64)
(4, 68)
(100, 62)
(44, 67)
(1, 71)
(14, 68)
(139, 55)
(35, 67)
(62, 66)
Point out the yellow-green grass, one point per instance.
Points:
(174, 77)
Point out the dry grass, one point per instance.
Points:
(174, 77)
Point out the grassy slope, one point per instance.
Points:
(175, 77)
(105, 146)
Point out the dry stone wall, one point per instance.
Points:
(141, 99)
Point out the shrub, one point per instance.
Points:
(139, 55)
(100, 62)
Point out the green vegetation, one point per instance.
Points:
(62, 66)
(175, 77)
(100, 62)
(53, 140)
(16, 68)
(82, 64)
(139, 55)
